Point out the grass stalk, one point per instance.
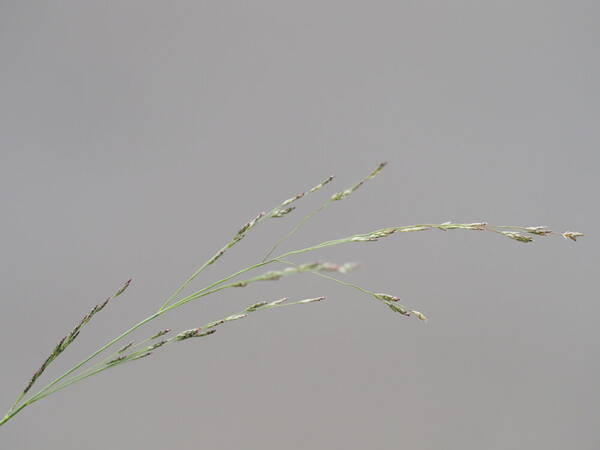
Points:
(134, 351)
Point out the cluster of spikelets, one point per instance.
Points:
(136, 350)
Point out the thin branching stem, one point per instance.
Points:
(134, 351)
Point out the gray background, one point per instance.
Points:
(137, 136)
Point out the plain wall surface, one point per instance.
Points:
(137, 136)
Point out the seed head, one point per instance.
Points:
(271, 275)
(214, 324)
(161, 333)
(194, 332)
(158, 344)
(187, 334)
(143, 355)
(464, 226)
(235, 317)
(375, 235)
(573, 235)
(386, 297)
(476, 226)
(397, 308)
(340, 195)
(255, 306)
(517, 236)
(320, 185)
(277, 302)
(347, 267)
(420, 316)
(331, 267)
(316, 265)
(310, 300)
(362, 239)
(291, 200)
(282, 212)
(116, 360)
(540, 230)
(248, 225)
(125, 286)
(125, 347)
(207, 333)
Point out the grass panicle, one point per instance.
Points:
(133, 351)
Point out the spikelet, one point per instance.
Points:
(373, 236)
(479, 226)
(517, 236)
(256, 306)
(386, 297)
(277, 302)
(160, 333)
(539, 230)
(282, 212)
(125, 347)
(419, 315)
(195, 332)
(310, 300)
(573, 235)
(398, 308)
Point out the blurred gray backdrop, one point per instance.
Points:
(136, 136)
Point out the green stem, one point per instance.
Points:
(11, 414)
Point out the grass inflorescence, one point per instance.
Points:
(133, 351)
